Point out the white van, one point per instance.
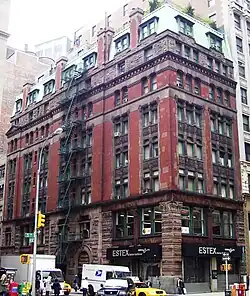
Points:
(98, 274)
(55, 273)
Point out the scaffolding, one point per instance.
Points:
(68, 150)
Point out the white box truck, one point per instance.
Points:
(45, 266)
(98, 274)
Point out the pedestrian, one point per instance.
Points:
(76, 282)
(85, 286)
(3, 285)
(56, 287)
(48, 285)
(91, 291)
(180, 286)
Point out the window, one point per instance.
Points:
(237, 21)
(89, 61)
(243, 93)
(148, 28)
(180, 112)
(197, 86)
(124, 94)
(121, 188)
(150, 149)
(241, 67)
(122, 43)
(49, 87)
(121, 127)
(245, 123)
(145, 89)
(215, 42)
(8, 236)
(190, 148)
(179, 79)
(188, 83)
(125, 9)
(90, 109)
(227, 98)
(117, 98)
(181, 147)
(248, 27)
(121, 67)
(185, 26)
(121, 158)
(187, 52)
(210, 63)
(247, 151)
(191, 181)
(178, 48)
(193, 221)
(149, 116)
(211, 93)
(219, 96)
(151, 182)
(217, 67)
(153, 82)
(18, 106)
(93, 31)
(148, 53)
(222, 224)
(151, 221)
(68, 73)
(196, 56)
(124, 224)
(32, 97)
(239, 44)
(224, 70)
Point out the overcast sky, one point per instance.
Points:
(36, 21)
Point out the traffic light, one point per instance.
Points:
(40, 220)
(25, 259)
(223, 267)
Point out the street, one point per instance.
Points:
(200, 294)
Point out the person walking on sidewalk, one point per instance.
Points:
(180, 286)
(85, 286)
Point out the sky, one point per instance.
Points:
(36, 21)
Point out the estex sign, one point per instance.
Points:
(210, 251)
(146, 251)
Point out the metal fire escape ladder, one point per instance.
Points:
(64, 244)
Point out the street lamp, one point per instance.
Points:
(58, 131)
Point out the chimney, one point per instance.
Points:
(104, 41)
(26, 47)
(60, 63)
(135, 16)
(26, 90)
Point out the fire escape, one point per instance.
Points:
(69, 149)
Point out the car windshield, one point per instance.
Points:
(55, 274)
(122, 274)
(141, 285)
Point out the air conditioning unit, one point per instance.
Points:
(126, 162)
(117, 197)
(117, 134)
(179, 84)
(146, 190)
(125, 100)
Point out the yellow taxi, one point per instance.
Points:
(67, 289)
(142, 289)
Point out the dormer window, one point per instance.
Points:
(18, 106)
(185, 25)
(33, 96)
(49, 87)
(89, 61)
(122, 43)
(68, 73)
(215, 41)
(148, 28)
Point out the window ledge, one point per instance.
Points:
(150, 235)
(194, 235)
(122, 238)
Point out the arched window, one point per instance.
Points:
(144, 84)
(197, 86)
(211, 93)
(188, 83)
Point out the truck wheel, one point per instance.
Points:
(142, 294)
(66, 293)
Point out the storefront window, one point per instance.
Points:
(193, 221)
(196, 270)
(151, 221)
(223, 224)
(124, 224)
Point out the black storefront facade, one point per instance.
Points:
(202, 266)
(143, 260)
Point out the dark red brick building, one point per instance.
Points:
(146, 173)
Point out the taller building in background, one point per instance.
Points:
(147, 171)
(54, 49)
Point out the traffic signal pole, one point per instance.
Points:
(226, 275)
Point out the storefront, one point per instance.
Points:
(143, 261)
(203, 267)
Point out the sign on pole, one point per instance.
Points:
(226, 258)
(29, 235)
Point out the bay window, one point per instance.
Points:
(193, 221)
(151, 219)
(124, 224)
